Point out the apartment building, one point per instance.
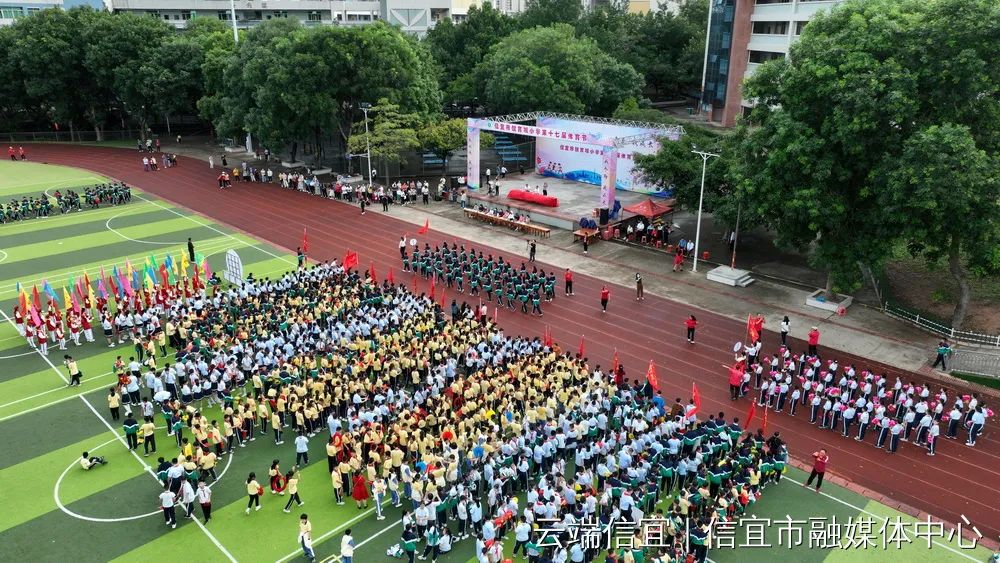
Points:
(743, 34)
(11, 11)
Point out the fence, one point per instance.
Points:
(975, 362)
(935, 327)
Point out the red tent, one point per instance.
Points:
(649, 208)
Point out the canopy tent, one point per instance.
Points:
(649, 208)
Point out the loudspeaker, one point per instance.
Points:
(603, 216)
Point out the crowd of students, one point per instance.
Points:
(35, 207)
(856, 402)
(450, 419)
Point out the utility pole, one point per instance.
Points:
(236, 40)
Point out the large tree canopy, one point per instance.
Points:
(835, 157)
(552, 69)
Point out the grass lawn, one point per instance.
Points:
(984, 380)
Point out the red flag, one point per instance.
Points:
(164, 274)
(371, 272)
(442, 298)
(547, 339)
(79, 287)
(432, 288)
(750, 414)
(34, 296)
(305, 240)
(350, 260)
(427, 226)
(615, 363)
(754, 326)
(580, 350)
(391, 279)
(496, 312)
(86, 280)
(651, 376)
(764, 424)
(697, 398)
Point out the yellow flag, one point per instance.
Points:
(67, 300)
(184, 265)
(90, 295)
(173, 266)
(149, 281)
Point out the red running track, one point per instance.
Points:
(959, 480)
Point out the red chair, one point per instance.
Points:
(618, 233)
(659, 243)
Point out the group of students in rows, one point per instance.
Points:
(434, 413)
(35, 207)
(858, 403)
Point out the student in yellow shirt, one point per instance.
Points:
(148, 430)
(292, 480)
(253, 492)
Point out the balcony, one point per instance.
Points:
(762, 42)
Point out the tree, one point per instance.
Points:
(167, 81)
(832, 122)
(443, 138)
(544, 13)
(551, 69)
(13, 98)
(945, 191)
(390, 134)
(459, 47)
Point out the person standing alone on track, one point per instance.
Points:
(639, 296)
(605, 297)
(569, 282)
(820, 460)
(785, 328)
(691, 324)
(191, 250)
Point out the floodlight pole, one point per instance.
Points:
(701, 200)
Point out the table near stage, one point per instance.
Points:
(533, 197)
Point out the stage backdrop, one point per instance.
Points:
(582, 162)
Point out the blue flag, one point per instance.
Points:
(48, 290)
(136, 279)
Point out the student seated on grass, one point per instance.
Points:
(89, 463)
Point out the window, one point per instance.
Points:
(774, 1)
(224, 15)
(281, 14)
(10, 12)
(799, 26)
(185, 15)
(764, 56)
(257, 15)
(770, 28)
(314, 16)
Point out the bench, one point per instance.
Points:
(528, 228)
(585, 234)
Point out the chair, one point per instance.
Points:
(659, 243)
(645, 240)
(618, 233)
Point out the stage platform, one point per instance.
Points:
(576, 199)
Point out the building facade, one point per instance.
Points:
(413, 16)
(743, 34)
(12, 11)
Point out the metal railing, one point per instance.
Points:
(935, 327)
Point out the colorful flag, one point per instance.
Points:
(547, 337)
(35, 318)
(432, 288)
(101, 290)
(35, 300)
(305, 240)
(76, 305)
(153, 264)
(67, 298)
(206, 269)
(651, 376)
(103, 275)
(755, 324)
(697, 398)
(350, 260)
(427, 226)
(23, 301)
(86, 279)
(184, 265)
(128, 268)
(150, 284)
(763, 425)
(371, 272)
(164, 274)
(48, 289)
(79, 287)
(415, 285)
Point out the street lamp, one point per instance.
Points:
(701, 199)
(368, 148)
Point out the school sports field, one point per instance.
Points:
(54, 511)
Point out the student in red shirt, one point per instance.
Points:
(678, 261)
(813, 341)
(605, 296)
(819, 469)
(569, 282)
(691, 324)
